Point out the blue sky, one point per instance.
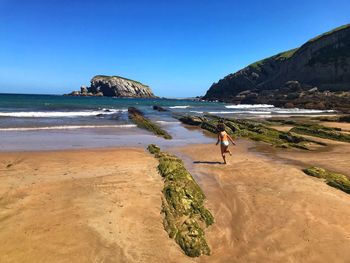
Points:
(179, 48)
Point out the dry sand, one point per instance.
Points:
(82, 206)
(104, 206)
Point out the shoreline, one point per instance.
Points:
(97, 138)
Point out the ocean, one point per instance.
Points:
(21, 112)
(32, 122)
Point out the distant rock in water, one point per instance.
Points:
(315, 75)
(114, 86)
(159, 108)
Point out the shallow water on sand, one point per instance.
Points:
(97, 137)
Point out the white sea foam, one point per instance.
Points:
(179, 107)
(248, 106)
(58, 114)
(277, 111)
(302, 111)
(168, 122)
(221, 112)
(114, 110)
(67, 127)
(199, 112)
(240, 112)
(259, 112)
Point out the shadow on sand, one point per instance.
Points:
(207, 162)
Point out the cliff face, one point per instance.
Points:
(115, 86)
(322, 62)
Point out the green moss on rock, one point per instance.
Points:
(252, 129)
(191, 120)
(142, 122)
(322, 132)
(185, 215)
(336, 180)
(153, 149)
(345, 118)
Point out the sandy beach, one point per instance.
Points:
(103, 205)
(82, 206)
(268, 210)
(175, 132)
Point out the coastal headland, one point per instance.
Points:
(313, 76)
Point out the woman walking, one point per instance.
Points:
(223, 139)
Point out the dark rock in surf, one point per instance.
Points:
(159, 108)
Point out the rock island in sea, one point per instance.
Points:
(114, 86)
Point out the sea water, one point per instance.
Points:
(49, 111)
(43, 122)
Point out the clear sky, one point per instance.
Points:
(179, 48)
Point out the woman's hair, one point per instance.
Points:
(221, 126)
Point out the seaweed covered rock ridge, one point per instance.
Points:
(142, 122)
(185, 216)
(252, 129)
(333, 179)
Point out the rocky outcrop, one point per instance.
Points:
(321, 64)
(114, 86)
(142, 122)
(255, 130)
(159, 108)
(336, 180)
(183, 205)
(294, 95)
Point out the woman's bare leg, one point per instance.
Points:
(228, 151)
(223, 149)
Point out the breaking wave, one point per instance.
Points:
(180, 107)
(67, 127)
(249, 106)
(58, 114)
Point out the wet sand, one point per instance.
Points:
(284, 128)
(268, 210)
(103, 205)
(343, 125)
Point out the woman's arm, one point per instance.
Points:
(230, 138)
(218, 139)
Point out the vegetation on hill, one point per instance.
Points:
(329, 32)
(280, 56)
(319, 68)
(119, 77)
